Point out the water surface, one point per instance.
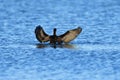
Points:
(93, 55)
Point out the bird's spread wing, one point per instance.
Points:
(70, 35)
(41, 35)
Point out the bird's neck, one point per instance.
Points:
(54, 32)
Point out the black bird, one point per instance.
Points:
(54, 39)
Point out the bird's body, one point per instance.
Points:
(54, 39)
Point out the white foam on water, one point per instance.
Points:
(98, 47)
(18, 46)
(71, 46)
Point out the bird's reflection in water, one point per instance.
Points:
(69, 46)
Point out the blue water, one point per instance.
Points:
(93, 55)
